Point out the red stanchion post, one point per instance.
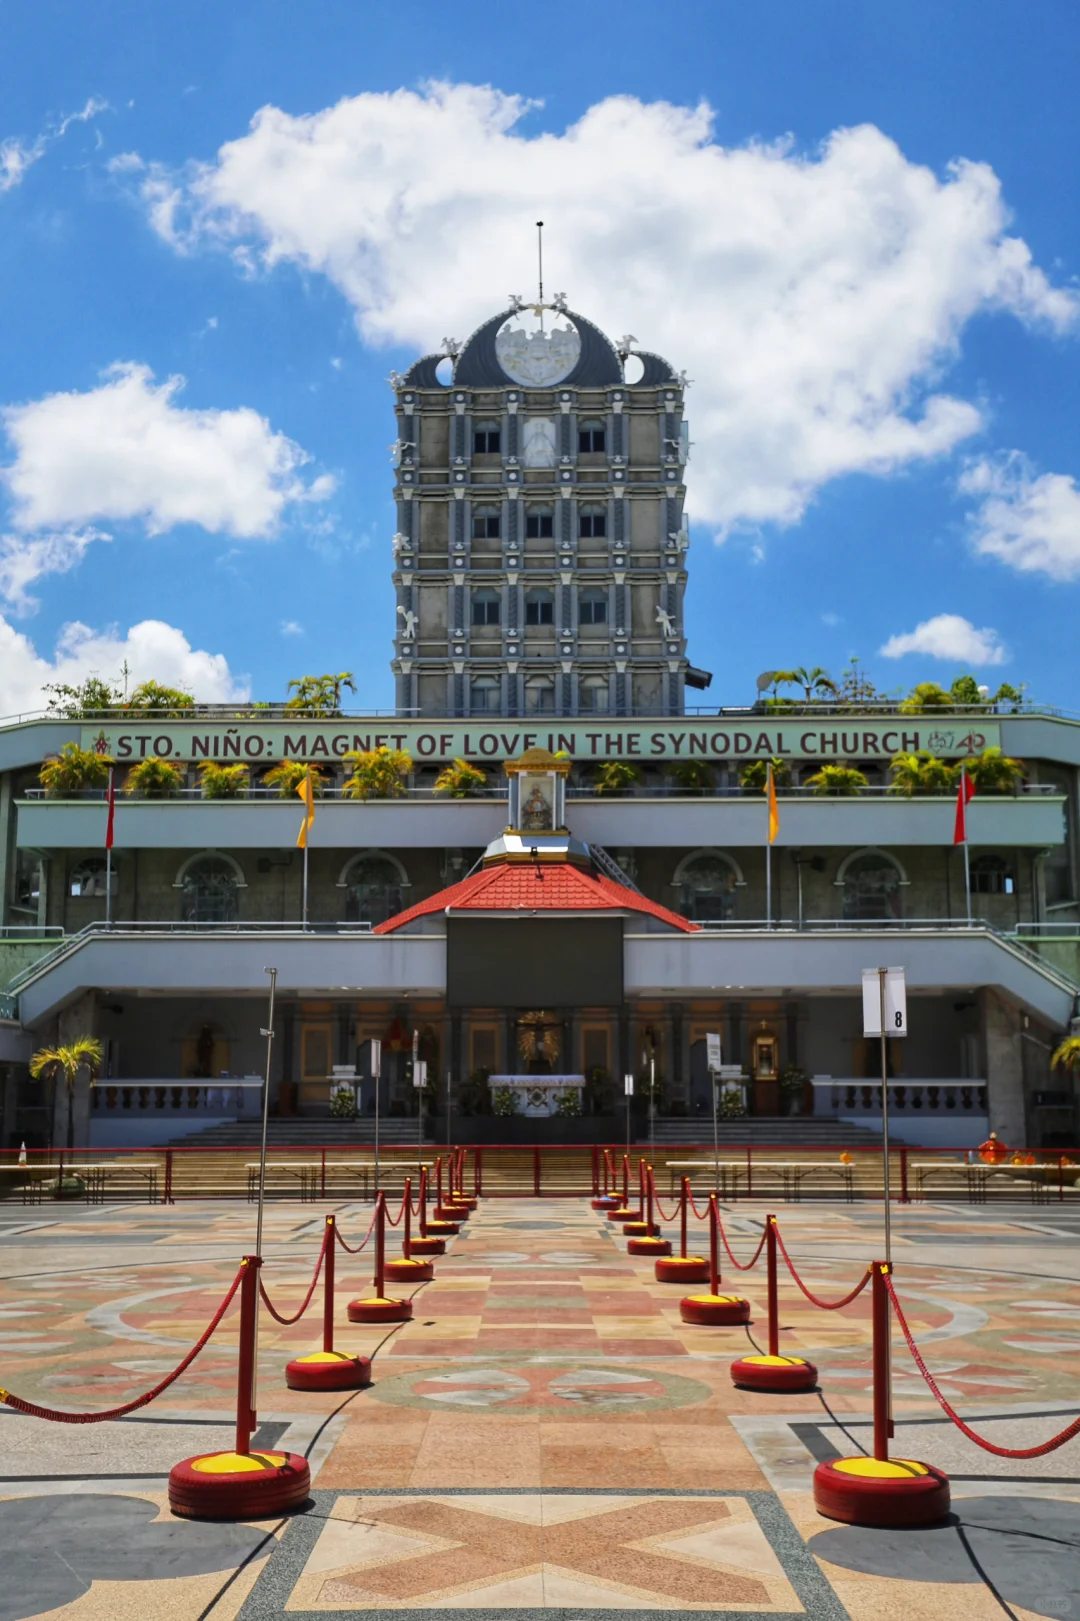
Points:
(642, 1224)
(408, 1269)
(241, 1485)
(682, 1268)
(379, 1308)
(904, 1199)
(328, 1369)
(536, 1171)
(881, 1491)
(167, 1193)
(714, 1309)
(773, 1372)
(646, 1238)
(446, 1216)
(429, 1243)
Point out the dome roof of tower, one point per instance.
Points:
(478, 365)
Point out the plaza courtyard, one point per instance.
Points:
(545, 1437)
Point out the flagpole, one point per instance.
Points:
(768, 845)
(305, 886)
(108, 855)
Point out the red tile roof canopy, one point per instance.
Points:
(527, 886)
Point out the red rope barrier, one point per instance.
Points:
(659, 1207)
(1039, 1451)
(701, 1215)
(35, 1411)
(741, 1266)
(826, 1305)
(268, 1303)
(355, 1250)
(400, 1214)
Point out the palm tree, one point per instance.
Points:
(920, 773)
(994, 772)
(49, 1063)
(813, 682)
(1067, 1055)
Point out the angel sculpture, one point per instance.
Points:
(663, 619)
(408, 633)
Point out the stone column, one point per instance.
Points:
(1001, 1024)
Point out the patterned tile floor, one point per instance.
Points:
(546, 1438)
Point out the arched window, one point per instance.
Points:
(592, 437)
(594, 695)
(87, 879)
(209, 890)
(540, 696)
(871, 884)
(485, 607)
(487, 439)
(593, 607)
(484, 695)
(486, 523)
(592, 521)
(707, 882)
(375, 886)
(539, 523)
(539, 607)
(991, 875)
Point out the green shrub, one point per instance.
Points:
(754, 776)
(836, 781)
(614, 777)
(154, 779)
(287, 776)
(379, 774)
(72, 770)
(460, 780)
(224, 781)
(504, 1102)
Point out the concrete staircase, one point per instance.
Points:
(763, 1131)
(301, 1132)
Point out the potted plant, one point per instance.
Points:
(731, 1105)
(793, 1089)
(224, 781)
(343, 1104)
(615, 777)
(568, 1105)
(460, 780)
(993, 772)
(152, 696)
(65, 1062)
(920, 773)
(754, 776)
(836, 781)
(504, 1102)
(380, 774)
(319, 694)
(287, 776)
(926, 695)
(474, 1095)
(154, 779)
(693, 776)
(73, 770)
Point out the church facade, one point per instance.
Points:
(595, 894)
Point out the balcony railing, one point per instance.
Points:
(645, 791)
(839, 1098)
(239, 1097)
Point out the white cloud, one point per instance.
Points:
(291, 627)
(23, 560)
(1029, 520)
(17, 156)
(815, 299)
(127, 450)
(150, 649)
(948, 636)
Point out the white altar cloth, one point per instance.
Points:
(537, 1095)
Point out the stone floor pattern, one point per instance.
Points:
(546, 1437)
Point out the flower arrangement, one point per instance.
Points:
(504, 1102)
(343, 1104)
(568, 1104)
(731, 1105)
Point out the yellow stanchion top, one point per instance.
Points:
(880, 1468)
(238, 1463)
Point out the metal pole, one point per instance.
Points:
(881, 1313)
(967, 879)
(448, 1133)
(768, 886)
(304, 925)
(108, 861)
(715, 1135)
(652, 1108)
(376, 1067)
(269, 1034)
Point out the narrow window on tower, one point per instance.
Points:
(487, 439)
(592, 608)
(592, 438)
(485, 607)
(540, 523)
(485, 523)
(592, 522)
(539, 607)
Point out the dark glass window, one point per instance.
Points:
(592, 436)
(592, 608)
(539, 608)
(485, 523)
(485, 608)
(539, 523)
(373, 890)
(484, 694)
(871, 889)
(990, 875)
(208, 893)
(592, 521)
(539, 698)
(487, 439)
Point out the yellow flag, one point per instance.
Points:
(774, 812)
(306, 790)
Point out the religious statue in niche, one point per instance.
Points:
(538, 1043)
(537, 815)
(539, 442)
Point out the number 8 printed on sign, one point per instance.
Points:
(896, 1022)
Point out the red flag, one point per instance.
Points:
(964, 793)
(109, 835)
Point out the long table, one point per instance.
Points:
(311, 1174)
(793, 1173)
(93, 1178)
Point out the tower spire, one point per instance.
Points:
(540, 257)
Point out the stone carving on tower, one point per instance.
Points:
(540, 553)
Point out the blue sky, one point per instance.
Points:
(865, 255)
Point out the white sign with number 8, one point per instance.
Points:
(895, 1002)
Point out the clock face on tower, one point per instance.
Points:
(538, 351)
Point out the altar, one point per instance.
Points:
(538, 1095)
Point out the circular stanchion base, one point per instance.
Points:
(606, 1201)
(682, 1269)
(780, 1373)
(428, 1246)
(641, 1229)
(466, 1199)
(239, 1485)
(379, 1309)
(328, 1370)
(452, 1212)
(442, 1229)
(649, 1244)
(872, 1491)
(714, 1311)
(623, 1212)
(407, 1270)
